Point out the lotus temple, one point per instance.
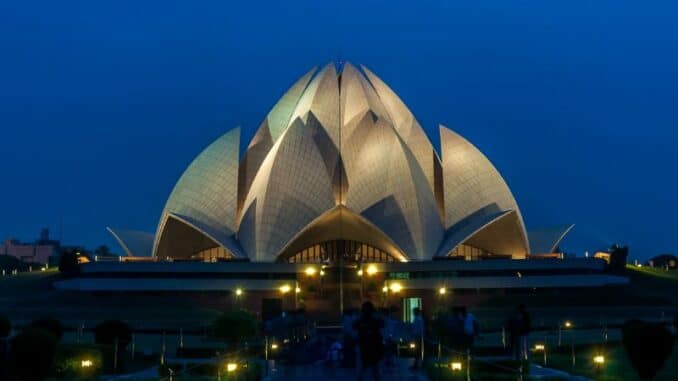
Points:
(340, 197)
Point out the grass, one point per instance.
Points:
(654, 272)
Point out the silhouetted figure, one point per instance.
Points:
(417, 335)
(350, 337)
(518, 326)
(370, 341)
(455, 329)
(471, 329)
(525, 329)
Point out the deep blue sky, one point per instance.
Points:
(103, 104)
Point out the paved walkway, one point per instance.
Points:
(540, 372)
(324, 373)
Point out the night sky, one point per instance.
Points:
(103, 104)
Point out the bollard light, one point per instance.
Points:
(297, 290)
(384, 289)
(599, 359)
(568, 324)
(310, 271)
(274, 346)
(413, 345)
(231, 367)
(238, 291)
(360, 272)
(86, 363)
(539, 347)
(442, 291)
(456, 366)
(285, 289)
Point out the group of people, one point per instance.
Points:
(377, 334)
(372, 336)
(461, 329)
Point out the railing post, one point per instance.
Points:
(421, 359)
(503, 337)
(468, 365)
(440, 375)
(266, 355)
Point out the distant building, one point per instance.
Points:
(665, 261)
(39, 251)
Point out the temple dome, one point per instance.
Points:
(340, 157)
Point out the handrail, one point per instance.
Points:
(467, 356)
(216, 359)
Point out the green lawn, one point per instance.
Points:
(654, 272)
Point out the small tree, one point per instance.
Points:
(5, 326)
(31, 354)
(235, 327)
(68, 263)
(108, 331)
(103, 251)
(648, 346)
(50, 325)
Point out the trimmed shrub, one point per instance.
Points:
(50, 325)
(31, 355)
(68, 264)
(235, 327)
(5, 326)
(648, 345)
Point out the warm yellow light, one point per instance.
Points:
(568, 324)
(310, 271)
(456, 365)
(231, 367)
(238, 291)
(322, 272)
(385, 289)
(360, 272)
(43, 269)
(396, 287)
(539, 347)
(86, 363)
(371, 270)
(413, 345)
(442, 290)
(297, 290)
(599, 359)
(285, 289)
(274, 346)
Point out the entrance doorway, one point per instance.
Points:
(409, 304)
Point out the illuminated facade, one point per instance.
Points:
(339, 170)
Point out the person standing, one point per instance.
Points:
(418, 336)
(370, 341)
(513, 327)
(524, 330)
(471, 329)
